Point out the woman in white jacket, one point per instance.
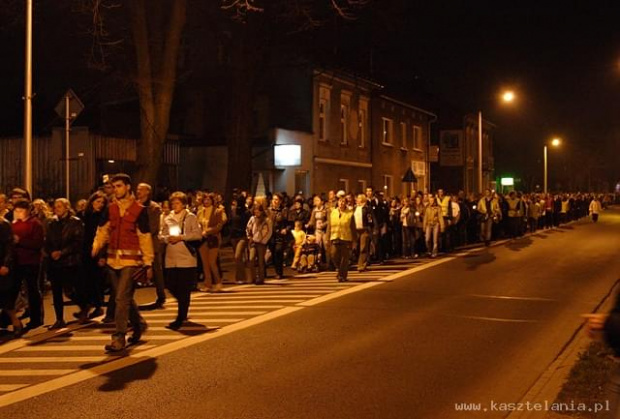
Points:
(595, 208)
(179, 231)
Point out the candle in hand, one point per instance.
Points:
(175, 230)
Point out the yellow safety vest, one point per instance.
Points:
(340, 225)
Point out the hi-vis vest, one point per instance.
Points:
(446, 206)
(124, 240)
(340, 225)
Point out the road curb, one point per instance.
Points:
(546, 389)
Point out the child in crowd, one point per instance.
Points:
(299, 235)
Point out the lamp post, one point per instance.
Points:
(555, 143)
(507, 97)
(28, 101)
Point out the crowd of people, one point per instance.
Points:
(120, 237)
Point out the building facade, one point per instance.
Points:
(400, 141)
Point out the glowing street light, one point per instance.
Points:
(507, 97)
(555, 143)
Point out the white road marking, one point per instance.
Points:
(496, 319)
(207, 313)
(106, 337)
(33, 373)
(243, 297)
(283, 293)
(46, 359)
(205, 306)
(11, 387)
(507, 297)
(197, 320)
(74, 348)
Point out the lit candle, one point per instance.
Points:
(175, 230)
(417, 214)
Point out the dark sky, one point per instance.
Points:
(561, 58)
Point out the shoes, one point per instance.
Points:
(33, 325)
(218, 288)
(96, 313)
(159, 303)
(259, 283)
(175, 325)
(18, 331)
(155, 305)
(117, 344)
(137, 333)
(279, 277)
(341, 279)
(25, 314)
(108, 319)
(82, 316)
(58, 325)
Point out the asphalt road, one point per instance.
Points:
(476, 329)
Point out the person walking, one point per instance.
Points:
(9, 287)
(94, 267)
(179, 231)
(595, 208)
(126, 231)
(281, 233)
(239, 217)
(434, 225)
(341, 233)
(29, 239)
(144, 192)
(489, 214)
(211, 219)
(259, 231)
(364, 223)
(63, 249)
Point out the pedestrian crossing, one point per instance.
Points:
(71, 350)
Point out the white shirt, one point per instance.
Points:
(456, 210)
(359, 217)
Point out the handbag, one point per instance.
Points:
(192, 245)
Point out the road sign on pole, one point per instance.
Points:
(69, 108)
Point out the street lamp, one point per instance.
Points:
(507, 97)
(28, 101)
(555, 143)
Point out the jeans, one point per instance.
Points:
(126, 307)
(486, 228)
(364, 249)
(340, 255)
(239, 247)
(158, 272)
(209, 264)
(257, 252)
(432, 232)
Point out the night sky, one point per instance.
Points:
(561, 59)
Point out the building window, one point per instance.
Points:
(388, 186)
(388, 132)
(403, 134)
(323, 128)
(361, 186)
(344, 123)
(362, 128)
(343, 184)
(417, 137)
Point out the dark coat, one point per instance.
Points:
(6, 244)
(67, 236)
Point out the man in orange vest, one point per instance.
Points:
(125, 231)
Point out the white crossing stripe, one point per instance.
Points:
(188, 328)
(24, 373)
(208, 313)
(296, 300)
(197, 320)
(12, 387)
(269, 294)
(106, 337)
(44, 359)
(73, 348)
(208, 303)
(282, 297)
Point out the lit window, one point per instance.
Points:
(322, 120)
(388, 131)
(403, 134)
(362, 128)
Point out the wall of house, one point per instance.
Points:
(394, 152)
